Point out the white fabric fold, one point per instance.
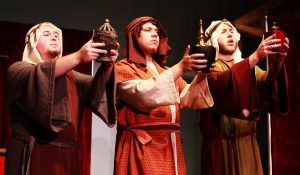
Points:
(146, 95)
(196, 95)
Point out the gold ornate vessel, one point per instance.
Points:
(107, 34)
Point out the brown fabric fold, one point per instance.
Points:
(242, 88)
(231, 148)
(29, 140)
(239, 80)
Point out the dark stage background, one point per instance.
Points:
(180, 20)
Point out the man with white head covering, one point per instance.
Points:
(239, 88)
(46, 99)
(213, 33)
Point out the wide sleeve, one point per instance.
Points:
(274, 92)
(34, 89)
(98, 93)
(196, 95)
(151, 93)
(234, 91)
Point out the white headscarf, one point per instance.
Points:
(213, 32)
(31, 54)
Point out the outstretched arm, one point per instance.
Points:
(266, 48)
(88, 52)
(188, 63)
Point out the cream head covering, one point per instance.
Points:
(31, 54)
(213, 32)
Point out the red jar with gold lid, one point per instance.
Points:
(279, 34)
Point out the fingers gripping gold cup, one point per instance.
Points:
(106, 34)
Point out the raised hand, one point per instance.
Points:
(268, 46)
(91, 51)
(191, 63)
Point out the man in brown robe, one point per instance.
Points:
(239, 88)
(46, 99)
(149, 98)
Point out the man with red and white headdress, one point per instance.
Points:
(239, 88)
(149, 98)
(47, 98)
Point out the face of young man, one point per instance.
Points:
(148, 39)
(48, 44)
(227, 41)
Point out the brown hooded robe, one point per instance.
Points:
(46, 113)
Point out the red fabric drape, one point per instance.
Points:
(285, 129)
(12, 37)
